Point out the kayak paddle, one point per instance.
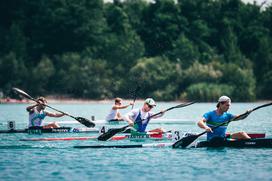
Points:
(82, 120)
(111, 132)
(185, 141)
(135, 95)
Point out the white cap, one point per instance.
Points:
(150, 102)
(224, 99)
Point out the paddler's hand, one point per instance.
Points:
(243, 116)
(65, 113)
(208, 129)
(248, 112)
(130, 123)
(39, 102)
(162, 112)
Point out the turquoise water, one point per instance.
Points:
(60, 161)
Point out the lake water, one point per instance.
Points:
(60, 161)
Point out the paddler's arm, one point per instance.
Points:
(122, 107)
(202, 124)
(241, 116)
(159, 115)
(50, 114)
(30, 108)
(127, 118)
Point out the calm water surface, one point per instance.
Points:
(60, 161)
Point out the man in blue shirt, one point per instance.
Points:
(218, 116)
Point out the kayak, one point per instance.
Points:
(52, 130)
(148, 145)
(149, 136)
(153, 121)
(251, 143)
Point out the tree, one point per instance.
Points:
(123, 46)
(13, 72)
(162, 26)
(158, 77)
(80, 76)
(41, 75)
(184, 52)
(58, 26)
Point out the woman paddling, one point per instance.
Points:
(114, 114)
(219, 116)
(37, 114)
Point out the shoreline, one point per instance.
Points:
(87, 101)
(63, 101)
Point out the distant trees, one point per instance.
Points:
(173, 50)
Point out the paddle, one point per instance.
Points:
(83, 121)
(106, 136)
(135, 95)
(185, 141)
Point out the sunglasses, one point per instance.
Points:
(150, 106)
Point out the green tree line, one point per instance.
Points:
(172, 50)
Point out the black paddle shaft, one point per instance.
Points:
(174, 107)
(135, 95)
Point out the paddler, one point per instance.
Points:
(37, 114)
(218, 116)
(114, 114)
(139, 118)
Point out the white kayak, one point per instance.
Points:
(152, 121)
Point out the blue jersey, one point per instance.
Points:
(140, 125)
(213, 120)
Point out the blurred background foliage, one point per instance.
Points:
(172, 50)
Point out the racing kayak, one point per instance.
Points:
(153, 121)
(148, 136)
(52, 130)
(147, 145)
(251, 143)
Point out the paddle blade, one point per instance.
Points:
(106, 136)
(22, 93)
(85, 122)
(185, 141)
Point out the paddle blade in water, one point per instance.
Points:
(85, 122)
(185, 141)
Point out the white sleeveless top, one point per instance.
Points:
(36, 118)
(112, 114)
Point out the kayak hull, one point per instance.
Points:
(251, 143)
(52, 130)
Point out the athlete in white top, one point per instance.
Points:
(114, 114)
(37, 114)
(139, 118)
